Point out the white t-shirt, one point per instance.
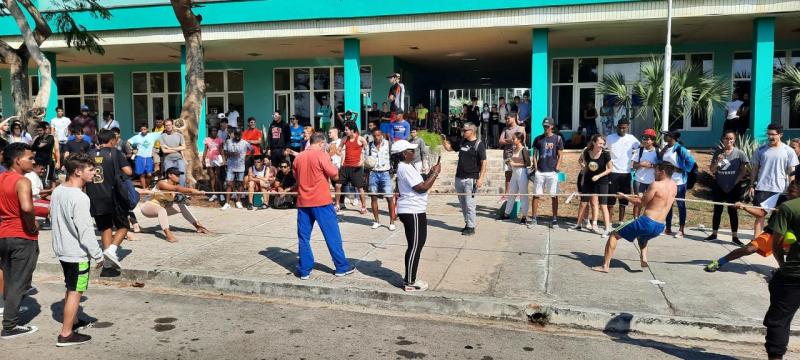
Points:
(233, 119)
(36, 184)
(410, 201)
(671, 157)
(774, 167)
(621, 149)
(62, 128)
(732, 108)
(336, 159)
(646, 175)
(110, 125)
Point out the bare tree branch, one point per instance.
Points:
(42, 30)
(43, 96)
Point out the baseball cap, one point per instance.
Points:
(397, 75)
(673, 134)
(649, 132)
(84, 107)
(402, 145)
(173, 171)
(221, 116)
(548, 121)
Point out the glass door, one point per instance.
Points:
(282, 105)
(157, 108)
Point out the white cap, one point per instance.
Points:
(402, 145)
(221, 116)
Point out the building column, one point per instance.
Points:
(201, 123)
(540, 74)
(52, 103)
(761, 84)
(352, 77)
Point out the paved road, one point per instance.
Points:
(151, 323)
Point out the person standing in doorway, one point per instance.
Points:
(233, 118)
(279, 135)
(19, 235)
(548, 151)
(729, 167)
(173, 145)
(506, 142)
(411, 208)
(588, 119)
(732, 112)
(486, 117)
(86, 122)
(312, 169)
(74, 243)
(772, 170)
(422, 116)
(473, 113)
(470, 172)
(494, 127)
(296, 134)
(109, 210)
(397, 94)
(524, 111)
(437, 119)
(503, 108)
(621, 146)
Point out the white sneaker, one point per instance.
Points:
(375, 225)
(226, 206)
(605, 234)
(392, 227)
(111, 259)
(213, 198)
(222, 198)
(239, 205)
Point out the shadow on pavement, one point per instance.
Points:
(57, 312)
(618, 327)
(597, 260)
(733, 267)
(34, 309)
(288, 260)
(376, 270)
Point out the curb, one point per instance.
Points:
(448, 304)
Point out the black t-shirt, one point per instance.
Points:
(787, 220)
(43, 147)
(470, 155)
(287, 180)
(102, 189)
(279, 135)
(494, 118)
(547, 148)
(74, 146)
(474, 114)
(595, 166)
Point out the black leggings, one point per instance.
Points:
(730, 197)
(416, 227)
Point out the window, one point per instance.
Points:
(314, 93)
(485, 96)
(782, 111)
(155, 95)
(225, 92)
(74, 90)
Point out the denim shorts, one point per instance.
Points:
(380, 182)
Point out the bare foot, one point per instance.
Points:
(600, 269)
(130, 237)
(201, 229)
(644, 264)
(171, 238)
(136, 228)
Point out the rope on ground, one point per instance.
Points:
(569, 196)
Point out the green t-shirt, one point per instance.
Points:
(788, 219)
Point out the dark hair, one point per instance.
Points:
(520, 136)
(317, 137)
(76, 130)
(159, 117)
(415, 128)
(42, 125)
(77, 161)
(623, 122)
(59, 108)
(374, 123)
(284, 161)
(776, 127)
(13, 152)
(350, 125)
(666, 167)
(15, 124)
(213, 128)
(258, 157)
(116, 130)
(223, 120)
(377, 130)
(729, 131)
(105, 136)
(173, 171)
(252, 118)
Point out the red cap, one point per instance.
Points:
(650, 132)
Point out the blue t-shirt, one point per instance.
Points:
(296, 137)
(144, 144)
(524, 111)
(401, 130)
(387, 129)
(85, 138)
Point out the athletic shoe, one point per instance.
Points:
(212, 198)
(375, 225)
(711, 237)
(304, 277)
(712, 267)
(111, 259)
(222, 198)
(605, 234)
(503, 217)
(523, 221)
(348, 272)
(249, 207)
(32, 290)
(226, 206)
(264, 207)
(677, 235)
(46, 225)
(239, 205)
(82, 324)
(575, 228)
(392, 227)
(468, 231)
(73, 339)
(418, 285)
(554, 222)
(17, 332)
(737, 241)
(532, 222)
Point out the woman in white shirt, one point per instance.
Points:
(411, 207)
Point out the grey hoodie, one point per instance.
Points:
(73, 233)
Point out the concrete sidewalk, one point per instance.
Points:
(502, 272)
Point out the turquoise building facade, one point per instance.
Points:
(278, 55)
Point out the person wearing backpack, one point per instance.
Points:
(110, 200)
(684, 163)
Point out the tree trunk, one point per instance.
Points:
(31, 47)
(195, 87)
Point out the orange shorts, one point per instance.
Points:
(763, 244)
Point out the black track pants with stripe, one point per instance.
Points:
(416, 227)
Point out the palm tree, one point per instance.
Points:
(788, 78)
(692, 91)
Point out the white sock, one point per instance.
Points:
(112, 248)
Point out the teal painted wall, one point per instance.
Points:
(761, 86)
(139, 15)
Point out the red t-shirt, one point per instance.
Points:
(253, 135)
(312, 168)
(10, 220)
(352, 153)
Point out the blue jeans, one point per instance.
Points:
(178, 163)
(681, 208)
(329, 224)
